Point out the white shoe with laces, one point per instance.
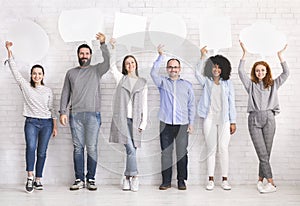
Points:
(135, 184)
(210, 185)
(268, 188)
(225, 185)
(260, 186)
(126, 184)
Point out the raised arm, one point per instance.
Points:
(105, 65)
(285, 70)
(200, 65)
(113, 67)
(156, 77)
(12, 65)
(242, 74)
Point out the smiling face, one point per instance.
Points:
(173, 69)
(37, 75)
(260, 72)
(130, 65)
(216, 71)
(84, 57)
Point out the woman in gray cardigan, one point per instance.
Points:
(129, 116)
(263, 105)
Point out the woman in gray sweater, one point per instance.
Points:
(263, 105)
(40, 120)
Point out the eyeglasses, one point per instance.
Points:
(171, 67)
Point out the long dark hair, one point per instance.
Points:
(267, 80)
(222, 62)
(33, 67)
(124, 71)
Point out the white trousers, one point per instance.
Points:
(217, 137)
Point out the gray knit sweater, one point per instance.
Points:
(261, 99)
(81, 88)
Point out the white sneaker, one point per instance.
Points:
(134, 184)
(126, 184)
(268, 188)
(260, 186)
(78, 184)
(210, 185)
(225, 185)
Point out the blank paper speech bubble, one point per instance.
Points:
(30, 41)
(168, 29)
(262, 38)
(130, 29)
(80, 24)
(215, 32)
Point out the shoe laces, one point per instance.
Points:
(29, 182)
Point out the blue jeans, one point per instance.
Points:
(131, 166)
(169, 133)
(85, 128)
(37, 135)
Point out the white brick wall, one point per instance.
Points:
(283, 14)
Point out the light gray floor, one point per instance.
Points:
(242, 195)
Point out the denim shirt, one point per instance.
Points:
(228, 97)
(177, 100)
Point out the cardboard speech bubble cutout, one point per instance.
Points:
(262, 38)
(215, 32)
(30, 41)
(169, 30)
(80, 24)
(130, 29)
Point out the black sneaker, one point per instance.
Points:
(91, 185)
(38, 185)
(78, 184)
(29, 185)
(164, 186)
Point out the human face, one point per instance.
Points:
(260, 72)
(130, 65)
(37, 75)
(84, 57)
(173, 69)
(216, 71)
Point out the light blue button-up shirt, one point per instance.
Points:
(177, 99)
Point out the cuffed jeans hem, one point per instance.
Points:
(131, 174)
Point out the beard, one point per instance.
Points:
(83, 62)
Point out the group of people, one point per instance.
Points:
(81, 97)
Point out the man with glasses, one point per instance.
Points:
(176, 115)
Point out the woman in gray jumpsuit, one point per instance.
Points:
(263, 105)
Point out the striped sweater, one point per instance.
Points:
(38, 102)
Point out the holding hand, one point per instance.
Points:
(203, 51)
(160, 49)
(279, 53)
(100, 37)
(244, 50)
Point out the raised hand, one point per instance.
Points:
(112, 42)
(100, 37)
(160, 49)
(244, 50)
(203, 51)
(279, 53)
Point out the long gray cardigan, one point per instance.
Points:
(119, 130)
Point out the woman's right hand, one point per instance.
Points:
(112, 42)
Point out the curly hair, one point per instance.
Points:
(267, 80)
(222, 62)
(124, 71)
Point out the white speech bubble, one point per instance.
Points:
(168, 29)
(215, 32)
(262, 38)
(130, 29)
(30, 41)
(80, 24)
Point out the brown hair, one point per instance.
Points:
(267, 80)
